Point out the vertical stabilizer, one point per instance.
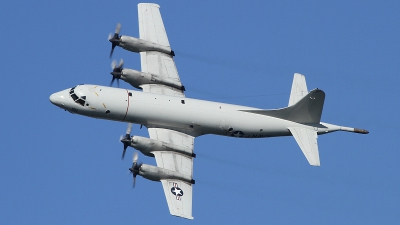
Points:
(307, 140)
(299, 89)
(307, 110)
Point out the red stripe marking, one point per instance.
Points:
(127, 108)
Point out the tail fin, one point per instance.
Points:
(299, 89)
(307, 110)
(303, 107)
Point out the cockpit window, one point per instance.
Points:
(74, 96)
(80, 100)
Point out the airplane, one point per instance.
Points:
(174, 121)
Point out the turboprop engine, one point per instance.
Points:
(155, 173)
(148, 145)
(138, 78)
(136, 44)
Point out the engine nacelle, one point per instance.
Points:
(148, 145)
(138, 78)
(155, 173)
(139, 45)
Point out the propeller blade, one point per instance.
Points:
(123, 153)
(126, 140)
(115, 40)
(118, 28)
(117, 70)
(121, 63)
(135, 157)
(135, 167)
(112, 81)
(129, 128)
(112, 49)
(114, 66)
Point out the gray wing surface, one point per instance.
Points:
(177, 193)
(179, 197)
(151, 28)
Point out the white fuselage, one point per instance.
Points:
(192, 116)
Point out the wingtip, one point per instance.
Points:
(150, 4)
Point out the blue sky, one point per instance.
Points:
(60, 168)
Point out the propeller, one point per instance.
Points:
(116, 39)
(135, 167)
(127, 139)
(117, 71)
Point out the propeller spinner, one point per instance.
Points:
(135, 167)
(116, 39)
(127, 139)
(117, 71)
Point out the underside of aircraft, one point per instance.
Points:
(174, 121)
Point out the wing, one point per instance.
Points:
(178, 193)
(151, 28)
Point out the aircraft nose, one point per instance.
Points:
(58, 98)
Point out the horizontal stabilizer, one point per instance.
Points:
(307, 110)
(307, 140)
